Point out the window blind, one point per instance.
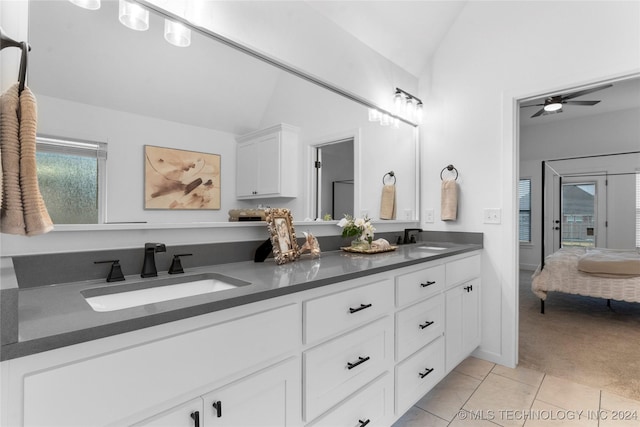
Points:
(524, 196)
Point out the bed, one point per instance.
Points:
(595, 272)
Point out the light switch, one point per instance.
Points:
(429, 216)
(493, 216)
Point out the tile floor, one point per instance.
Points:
(480, 393)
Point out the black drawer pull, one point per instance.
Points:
(429, 283)
(196, 418)
(360, 361)
(362, 307)
(468, 288)
(425, 373)
(427, 324)
(364, 423)
(217, 405)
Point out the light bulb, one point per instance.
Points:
(397, 101)
(176, 33)
(419, 110)
(87, 4)
(133, 16)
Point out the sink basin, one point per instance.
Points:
(432, 248)
(150, 291)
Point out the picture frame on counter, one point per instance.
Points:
(283, 235)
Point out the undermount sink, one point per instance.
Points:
(432, 248)
(150, 291)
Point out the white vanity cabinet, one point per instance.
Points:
(266, 398)
(266, 163)
(462, 307)
(122, 380)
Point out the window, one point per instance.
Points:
(524, 195)
(71, 176)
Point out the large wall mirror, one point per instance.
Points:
(97, 80)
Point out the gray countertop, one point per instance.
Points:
(56, 316)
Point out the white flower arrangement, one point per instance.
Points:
(359, 228)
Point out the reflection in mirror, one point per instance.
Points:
(97, 80)
(334, 178)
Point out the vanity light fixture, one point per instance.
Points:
(412, 105)
(87, 4)
(176, 33)
(374, 115)
(133, 15)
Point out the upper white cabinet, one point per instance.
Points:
(266, 163)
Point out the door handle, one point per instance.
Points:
(195, 416)
(217, 405)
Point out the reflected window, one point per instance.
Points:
(524, 195)
(71, 176)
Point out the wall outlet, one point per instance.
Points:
(493, 216)
(429, 216)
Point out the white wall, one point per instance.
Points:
(494, 53)
(616, 132)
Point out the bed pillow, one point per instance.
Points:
(610, 262)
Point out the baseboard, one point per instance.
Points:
(493, 357)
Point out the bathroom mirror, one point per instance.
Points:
(97, 80)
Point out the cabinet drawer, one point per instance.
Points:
(463, 269)
(412, 287)
(413, 376)
(203, 356)
(418, 325)
(372, 405)
(337, 368)
(339, 312)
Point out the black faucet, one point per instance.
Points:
(149, 265)
(407, 231)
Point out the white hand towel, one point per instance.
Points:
(449, 200)
(388, 202)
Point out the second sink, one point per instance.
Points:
(118, 297)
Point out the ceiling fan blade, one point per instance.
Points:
(539, 113)
(584, 92)
(580, 102)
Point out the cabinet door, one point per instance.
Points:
(246, 170)
(268, 398)
(188, 414)
(269, 166)
(462, 324)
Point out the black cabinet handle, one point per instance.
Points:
(217, 405)
(425, 373)
(364, 423)
(195, 416)
(362, 307)
(468, 288)
(427, 324)
(360, 361)
(429, 283)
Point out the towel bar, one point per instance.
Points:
(449, 168)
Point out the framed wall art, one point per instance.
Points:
(283, 235)
(180, 179)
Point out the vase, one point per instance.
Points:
(360, 244)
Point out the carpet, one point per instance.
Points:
(581, 339)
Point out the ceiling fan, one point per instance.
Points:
(553, 104)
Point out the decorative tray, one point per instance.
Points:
(368, 251)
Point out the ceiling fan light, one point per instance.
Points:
(554, 106)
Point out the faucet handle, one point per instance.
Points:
(176, 264)
(115, 274)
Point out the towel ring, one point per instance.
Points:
(392, 175)
(449, 168)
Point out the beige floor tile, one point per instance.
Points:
(543, 414)
(449, 395)
(618, 411)
(416, 417)
(499, 395)
(568, 395)
(524, 375)
(474, 367)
